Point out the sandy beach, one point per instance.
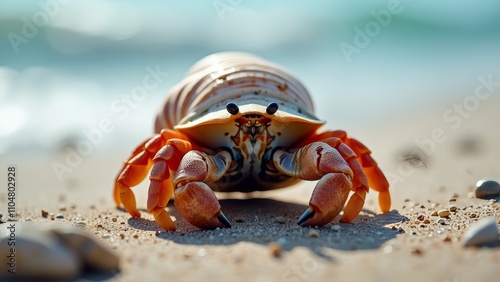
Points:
(266, 244)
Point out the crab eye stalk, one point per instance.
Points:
(272, 108)
(232, 108)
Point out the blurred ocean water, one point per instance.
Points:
(68, 67)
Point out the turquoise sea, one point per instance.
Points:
(66, 66)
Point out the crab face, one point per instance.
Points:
(285, 122)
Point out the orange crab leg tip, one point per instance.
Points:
(384, 200)
(163, 219)
(353, 207)
(128, 200)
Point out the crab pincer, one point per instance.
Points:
(194, 199)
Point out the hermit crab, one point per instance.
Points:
(239, 123)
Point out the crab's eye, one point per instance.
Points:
(271, 108)
(232, 108)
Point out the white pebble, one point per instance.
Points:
(336, 227)
(80, 223)
(202, 252)
(481, 232)
(388, 249)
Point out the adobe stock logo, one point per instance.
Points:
(39, 19)
(363, 36)
(120, 109)
(454, 116)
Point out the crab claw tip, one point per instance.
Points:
(223, 219)
(308, 213)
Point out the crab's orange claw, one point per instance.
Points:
(314, 161)
(194, 199)
(376, 178)
(198, 205)
(327, 200)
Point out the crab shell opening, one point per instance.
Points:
(212, 127)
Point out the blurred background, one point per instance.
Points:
(383, 70)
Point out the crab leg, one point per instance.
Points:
(334, 170)
(161, 187)
(137, 166)
(194, 199)
(376, 178)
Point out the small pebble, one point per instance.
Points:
(28, 218)
(106, 236)
(421, 217)
(434, 213)
(39, 254)
(94, 256)
(62, 208)
(202, 252)
(416, 251)
(80, 223)
(481, 232)
(136, 236)
(313, 233)
(45, 213)
(336, 227)
(452, 208)
(441, 221)
(240, 219)
(388, 249)
(276, 249)
(114, 219)
(444, 213)
(487, 189)
(279, 219)
(59, 215)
